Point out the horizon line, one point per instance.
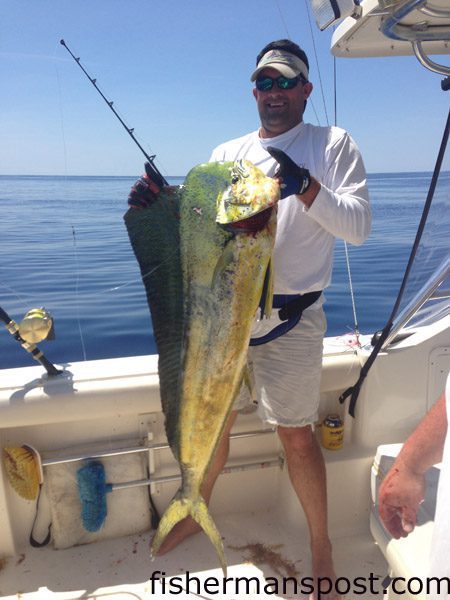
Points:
(181, 176)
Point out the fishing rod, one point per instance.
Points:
(154, 174)
(15, 330)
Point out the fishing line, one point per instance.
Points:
(138, 279)
(352, 294)
(142, 277)
(282, 19)
(310, 100)
(347, 256)
(77, 268)
(317, 62)
(15, 293)
(335, 89)
(61, 118)
(77, 304)
(92, 295)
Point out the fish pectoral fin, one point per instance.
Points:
(267, 292)
(225, 260)
(249, 380)
(178, 509)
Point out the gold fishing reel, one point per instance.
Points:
(36, 326)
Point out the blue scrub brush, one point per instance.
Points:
(92, 489)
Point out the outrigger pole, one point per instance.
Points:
(37, 354)
(155, 174)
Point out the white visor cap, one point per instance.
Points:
(286, 63)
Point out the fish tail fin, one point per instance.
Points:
(182, 507)
(204, 519)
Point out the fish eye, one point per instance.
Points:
(238, 172)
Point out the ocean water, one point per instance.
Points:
(64, 246)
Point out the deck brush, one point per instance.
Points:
(92, 489)
(22, 465)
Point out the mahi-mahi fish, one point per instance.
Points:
(204, 252)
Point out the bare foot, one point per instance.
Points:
(323, 572)
(180, 531)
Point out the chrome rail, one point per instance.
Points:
(434, 11)
(427, 63)
(421, 32)
(47, 462)
(261, 464)
(418, 33)
(427, 292)
(247, 466)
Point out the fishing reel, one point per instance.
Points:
(36, 326)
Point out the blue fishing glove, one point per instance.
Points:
(144, 191)
(294, 179)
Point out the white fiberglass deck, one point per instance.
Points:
(260, 552)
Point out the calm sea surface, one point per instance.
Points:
(63, 245)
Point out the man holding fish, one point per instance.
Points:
(323, 197)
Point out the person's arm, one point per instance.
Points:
(341, 204)
(403, 488)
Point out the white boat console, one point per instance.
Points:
(389, 28)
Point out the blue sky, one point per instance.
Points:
(178, 72)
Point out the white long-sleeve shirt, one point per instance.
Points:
(303, 255)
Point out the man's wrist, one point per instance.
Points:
(305, 184)
(308, 195)
(411, 464)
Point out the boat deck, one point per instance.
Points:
(261, 556)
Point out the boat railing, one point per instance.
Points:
(417, 33)
(432, 290)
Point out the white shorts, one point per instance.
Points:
(287, 373)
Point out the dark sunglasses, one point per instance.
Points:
(265, 84)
